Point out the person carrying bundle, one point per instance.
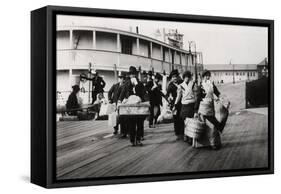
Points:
(171, 95)
(134, 87)
(208, 91)
(113, 95)
(206, 108)
(155, 99)
(187, 94)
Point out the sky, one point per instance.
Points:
(219, 44)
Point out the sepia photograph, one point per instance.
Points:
(150, 97)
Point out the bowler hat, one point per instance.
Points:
(144, 73)
(158, 76)
(133, 70)
(122, 75)
(149, 73)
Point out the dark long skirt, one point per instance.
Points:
(178, 124)
(154, 114)
(187, 111)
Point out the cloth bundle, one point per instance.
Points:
(112, 119)
(133, 99)
(165, 114)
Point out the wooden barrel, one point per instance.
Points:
(194, 128)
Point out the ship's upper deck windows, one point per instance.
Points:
(106, 41)
(145, 48)
(156, 51)
(82, 39)
(63, 39)
(127, 44)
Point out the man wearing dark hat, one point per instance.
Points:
(155, 99)
(171, 95)
(145, 82)
(72, 101)
(133, 87)
(98, 85)
(149, 76)
(113, 95)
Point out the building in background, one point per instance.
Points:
(263, 68)
(231, 73)
(111, 51)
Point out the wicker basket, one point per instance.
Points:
(194, 128)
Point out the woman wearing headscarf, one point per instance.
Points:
(207, 95)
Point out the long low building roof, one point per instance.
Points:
(230, 67)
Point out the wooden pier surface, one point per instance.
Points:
(88, 149)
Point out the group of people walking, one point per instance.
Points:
(184, 95)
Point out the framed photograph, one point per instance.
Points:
(125, 96)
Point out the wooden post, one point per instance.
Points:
(246, 104)
(70, 39)
(115, 72)
(118, 43)
(89, 89)
(138, 46)
(94, 39)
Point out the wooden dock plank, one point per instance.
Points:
(85, 149)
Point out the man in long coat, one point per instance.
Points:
(113, 95)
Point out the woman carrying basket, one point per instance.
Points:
(208, 91)
(187, 95)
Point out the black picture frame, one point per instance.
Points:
(43, 84)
